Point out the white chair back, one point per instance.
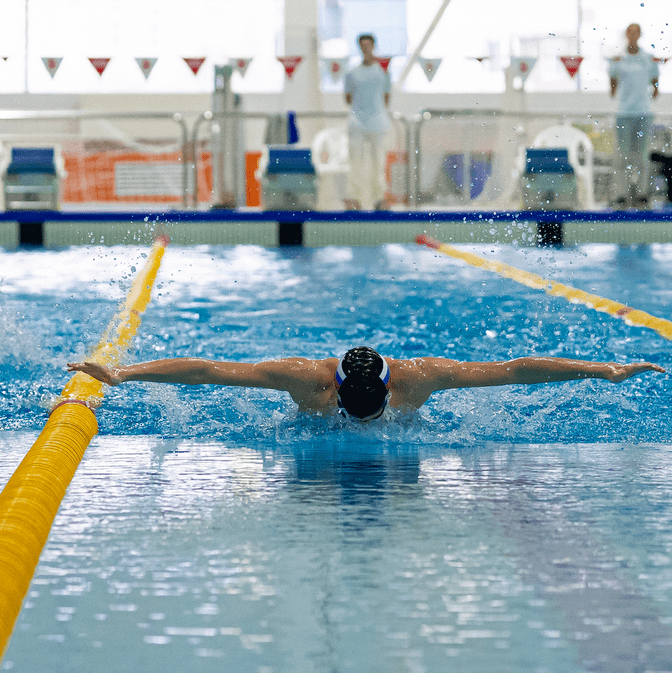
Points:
(330, 151)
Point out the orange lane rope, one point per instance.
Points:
(30, 500)
(630, 315)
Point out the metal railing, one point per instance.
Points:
(403, 137)
(505, 134)
(76, 115)
(410, 135)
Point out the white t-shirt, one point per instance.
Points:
(634, 73)
(368, 84)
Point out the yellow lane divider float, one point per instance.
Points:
(630, 315)
(31, 498)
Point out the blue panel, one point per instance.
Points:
(480, 169)
(547, 160)
(283, 159)
(32, 160)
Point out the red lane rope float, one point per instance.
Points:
(630, 315)
(30, 500)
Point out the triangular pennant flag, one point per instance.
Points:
(195, 64)
(290, 63)
(430, 66)
(522, 67)
(99, 64)
(655, 59)
(240, 65)
(51, 64)
(146, 65)
(572, 63)
(335, 67)
(384, 62)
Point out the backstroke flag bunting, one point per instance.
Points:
(240, 65)
(572, 64)
(335, 67)
(429, 66)
(194, 64)
(52, 64)
(146, 65)
(290, 64)
(99, 64)
(522, 67)
(384, 61)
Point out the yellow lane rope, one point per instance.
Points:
(630, 315)
(30, 500)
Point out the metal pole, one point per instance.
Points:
(25, 57)
(421, 46)
(417, 156)
(579, 24)
(206, 116)
(184, 157)
(224, 164)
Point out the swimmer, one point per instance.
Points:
(362, 383)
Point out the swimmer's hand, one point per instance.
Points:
(100, 372)
(617, 372)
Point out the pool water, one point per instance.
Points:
(207, 529)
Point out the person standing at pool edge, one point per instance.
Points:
(360, 384)
(367, 91)
(635, 76)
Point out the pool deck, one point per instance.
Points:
(54, 229)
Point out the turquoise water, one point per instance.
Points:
(508, 529)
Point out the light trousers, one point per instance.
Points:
(633, 163)
(366, 151)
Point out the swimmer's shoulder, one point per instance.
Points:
(413, 381)
(315, 372)
(411, 370)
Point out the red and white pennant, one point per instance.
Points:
(240, 65)
(290, 64)
(194, 64)
(572, 64)
(146, 65)
(99, 64)
(429, 66)
(384, 62)
(52, 65)
(522, 67)
(335, 67)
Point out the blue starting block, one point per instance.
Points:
(549, 181)
(31, 181)
(289, 181)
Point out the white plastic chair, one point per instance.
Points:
(330, 157)
(580, 149)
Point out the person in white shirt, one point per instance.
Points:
(635, 77)
(367, 91)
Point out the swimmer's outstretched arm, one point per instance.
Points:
(289, 374)
(440, 374)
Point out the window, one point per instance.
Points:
(341, 21)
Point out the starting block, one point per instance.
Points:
(31, 180)
(289, 181)
(549, 181)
